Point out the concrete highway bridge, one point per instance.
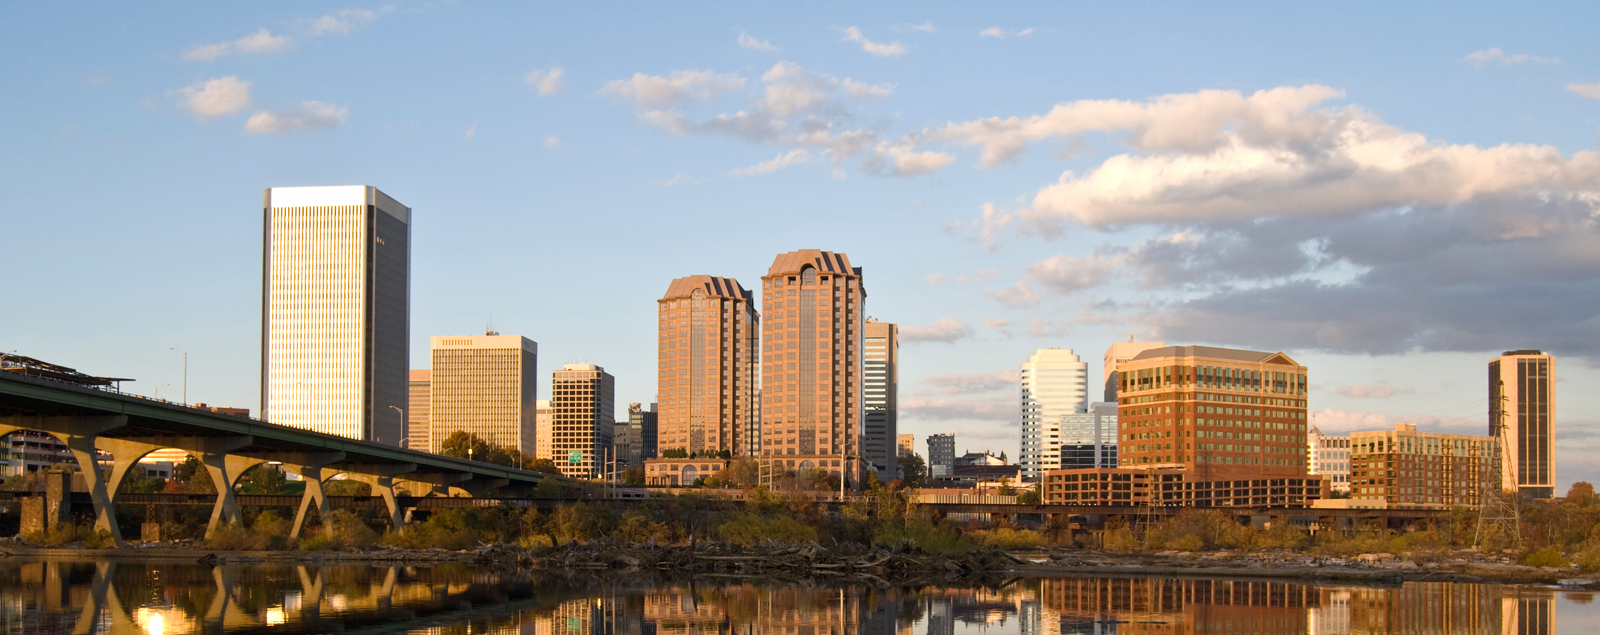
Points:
(128, 427)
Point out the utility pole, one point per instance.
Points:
(1498, 511)
(185, 375)
(404, 428)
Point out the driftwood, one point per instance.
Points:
(901, 563)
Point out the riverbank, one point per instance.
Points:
(885, 565)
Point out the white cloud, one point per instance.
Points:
(863, 90)
(925, 27)
(309, 115)
(1040, 327)
(1497, 57)
(955, 384)
(216, 97)
(677, 86)
(344, 20)
(996, 409)
(1592, 91)
(1376, 390)
(679, 179)
(992, 31)
(892, 49)
(1065, 275)
(552, 142)
(258, 42)
(745, 41)
(996, 323)
(936, 278)
(947, 330)
(777, 163)
(909, 163)
(547, 82)
(1018, 295)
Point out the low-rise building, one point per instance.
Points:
(1406, 469)
(681, 472)
(1178, 487)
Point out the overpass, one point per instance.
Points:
(128, 427)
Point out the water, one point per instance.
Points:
(153, 598)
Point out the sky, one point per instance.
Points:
(1390, 194)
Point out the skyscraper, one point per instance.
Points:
(811, 361)
(1088, 439)
(417, 411)
(1054, 385)
(581, 419)
(1215, 410)
(484, 385)
(646, 423)
(335, 311)
(543, 433)
(1524, 383)
(707, 375)
(1118, 353)
(880, 378)
(941, 454)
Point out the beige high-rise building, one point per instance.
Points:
(907, 443)
(1118, 353)
(581, 419)
(707, 377)
(335, 311)
(811, 408)
(1527, 381)
(880, 378)
(542, 431)
(417, 411)
(484, 385)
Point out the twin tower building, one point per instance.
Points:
(811, 386)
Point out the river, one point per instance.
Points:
(164, 598)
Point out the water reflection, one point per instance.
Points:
(148, 598)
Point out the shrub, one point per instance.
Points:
(1588, 558)
(62, 535)
(1008, 538)
(748, 529)
(342, 530)
(1547, 557)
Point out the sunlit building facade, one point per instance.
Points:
(1329, 456)
(707, 374)
(1527, 381)
(1406, 469)
(335, 334)
(417, 410)
(484, 385)
(581, 419)
(1118, 353)
(1055, 384)
(880, 379)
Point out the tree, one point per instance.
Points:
(263, 479)
(1032, 497)
(546, 466)
(914, 472)
(193, 474)
(633, 476)
(462, 444)
(674, 453)
(1581, 494)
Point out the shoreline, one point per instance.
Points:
(1025, 564)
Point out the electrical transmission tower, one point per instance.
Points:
(1498, 512)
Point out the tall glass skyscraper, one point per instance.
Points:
(335, 311)
(1055, 384)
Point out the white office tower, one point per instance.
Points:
(335, 311)
(1055, 384)
(484, 385)
(880, 379)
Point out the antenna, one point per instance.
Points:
(488, 327)
(1498, 515)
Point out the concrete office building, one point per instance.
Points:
(813, 302)
(1525, 383)
(1329, 455)
(1214, 410)
(1118, 353)
(1054, 385)
(542, 431)
(880, 379)
(1406, 469)
(907, 443)
(484, 385)
(706, 378)
(941, 455)
(417, 411)
(335, 311)
(581, 419)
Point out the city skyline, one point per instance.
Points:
(971, 171)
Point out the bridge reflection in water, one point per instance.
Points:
(164, 599)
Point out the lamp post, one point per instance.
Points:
(185, 375)
(158, 390)
(403, 429)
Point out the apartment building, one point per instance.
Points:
(1406, 469)
(1177, 487)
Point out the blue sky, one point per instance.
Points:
(1390, 194)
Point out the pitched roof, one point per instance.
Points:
(824, 261)
(714, 286)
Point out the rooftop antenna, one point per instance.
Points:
(488, 327)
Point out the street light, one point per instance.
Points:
(185, 375)
(402, 423)
(158, 390)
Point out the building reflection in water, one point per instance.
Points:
(160, 599)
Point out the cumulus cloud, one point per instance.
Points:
(891, 49)
(925, 27)
(258, 42)
(344, 20)
(777, 163)
(958, 384)
(1040, 327)
(547, 82)
(996, 323)
(1065, 275)
(1376, 390)
(649, 91)
(899, 160)
(1497, 57)
(308, 116)
(947, 330)
(997, 32)
(1592, 91)
(216, 97)
(1017, 296)
(996, 409)
(745, 41)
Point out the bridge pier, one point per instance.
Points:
(212, 452)
(381, 478)
(312, 468)
(79, 434)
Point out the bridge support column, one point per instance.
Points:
(311, 466)
(212, 452)
(79, 434)
(381, 478)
